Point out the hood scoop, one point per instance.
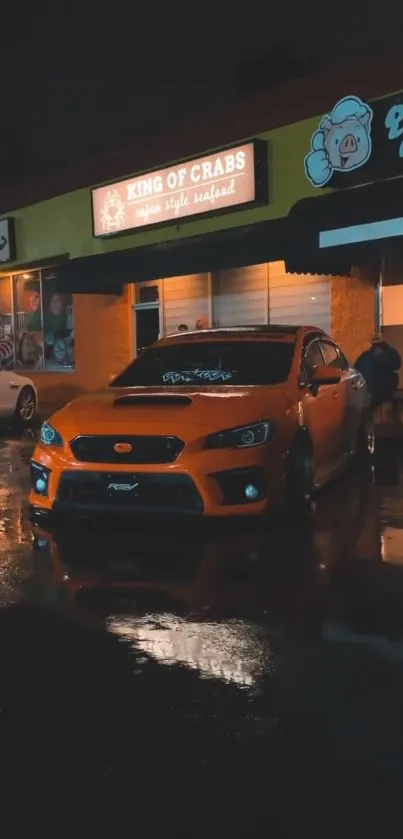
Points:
(157, 401)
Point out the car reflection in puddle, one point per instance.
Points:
(220, 600)
(193, 602)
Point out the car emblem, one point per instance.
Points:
(123, 487)
(122, 448)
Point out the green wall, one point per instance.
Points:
(63, 224)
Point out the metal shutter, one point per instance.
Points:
(299, 298)
(185, 301)
(240, 296)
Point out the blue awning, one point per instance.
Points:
(332, 233)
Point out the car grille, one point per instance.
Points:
(124, 490)
(100, 449)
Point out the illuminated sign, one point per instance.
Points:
(218, 181)
(342, 142)
(357, 143)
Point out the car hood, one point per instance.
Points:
(183, 411)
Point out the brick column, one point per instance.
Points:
(353, 310)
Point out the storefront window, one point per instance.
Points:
(7, 344)
(36, 323)
(28, 321)
(58, 325)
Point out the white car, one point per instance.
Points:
(18, 397)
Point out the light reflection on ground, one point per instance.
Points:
(15, 532)
(233, 651)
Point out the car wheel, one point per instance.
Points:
(365, 440)
(300, 476)
(25, 409)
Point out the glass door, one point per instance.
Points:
(147, 325)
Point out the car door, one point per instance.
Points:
(8, 393)
(322, 413)
(332, 358)
(353, 393)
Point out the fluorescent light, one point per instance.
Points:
(386, 229)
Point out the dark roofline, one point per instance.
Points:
(290, 102)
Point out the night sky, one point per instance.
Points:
(74, 85)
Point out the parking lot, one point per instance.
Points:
(229, 679)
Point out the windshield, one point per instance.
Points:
(265, 362)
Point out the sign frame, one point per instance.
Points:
(7, 240)
(261, 167)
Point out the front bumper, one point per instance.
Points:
(218, 485)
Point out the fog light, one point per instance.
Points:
(241, 486)
(39, 544)
(251, 492)
(39, 478)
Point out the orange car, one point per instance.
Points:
(218, 422)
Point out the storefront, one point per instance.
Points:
(249, 233)
(357, 230)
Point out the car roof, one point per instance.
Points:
(234, 332)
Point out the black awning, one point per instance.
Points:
(237, 247)
(361, 205)
(98, 274)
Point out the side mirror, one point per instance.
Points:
(323, 375)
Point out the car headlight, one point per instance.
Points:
(243, 437)
(49, 436)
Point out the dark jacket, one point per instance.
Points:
(379, 366)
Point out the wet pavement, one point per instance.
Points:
(232, 680)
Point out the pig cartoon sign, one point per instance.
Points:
(342, 142)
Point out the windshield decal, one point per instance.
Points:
(176, 378)
(188, 376)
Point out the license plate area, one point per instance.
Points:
(122, 489)
(129, 490)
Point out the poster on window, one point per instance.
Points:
(28, 321)
(7, 354)
(58, 325)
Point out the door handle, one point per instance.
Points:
(13, 385)
(335, 394)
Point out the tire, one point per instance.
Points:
(300, 476)
(25, 408)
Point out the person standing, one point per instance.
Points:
(379, 366)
